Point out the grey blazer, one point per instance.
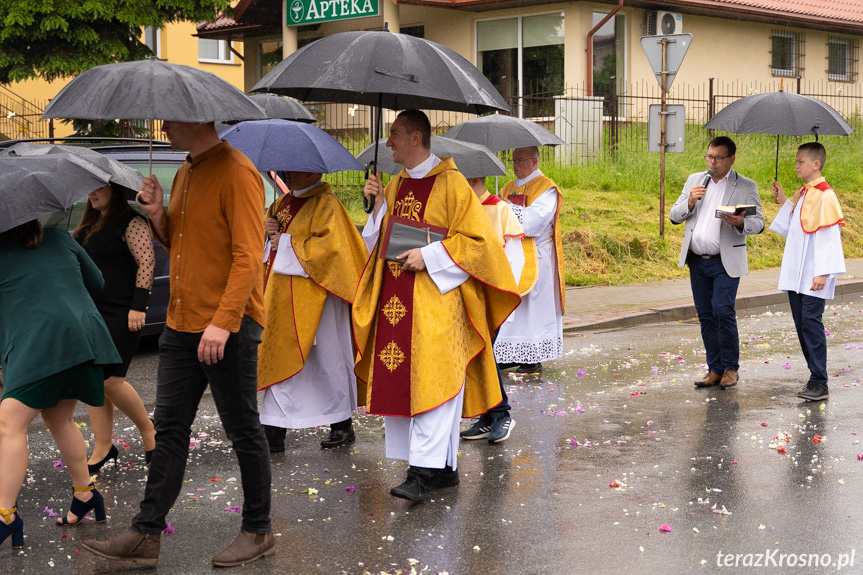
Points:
(732, 240)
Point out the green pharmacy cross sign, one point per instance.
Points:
(302, 12)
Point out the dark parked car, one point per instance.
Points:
(135, 153)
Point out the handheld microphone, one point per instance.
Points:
(708, 176)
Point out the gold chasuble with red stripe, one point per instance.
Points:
(534, 189)
(418, 346)
(331, 250)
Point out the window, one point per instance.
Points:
(608, 57)
(215, 51)
(787, 53)
(415, 31)
(841, 59)
(523, 58)
(269, 54)
(153, 40)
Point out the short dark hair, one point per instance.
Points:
(29, 234)
(723, 141)
(417, 121)
(816, 152)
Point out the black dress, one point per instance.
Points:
(123, 251)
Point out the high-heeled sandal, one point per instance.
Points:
(81, 508)
(14, 528)
(94, 468)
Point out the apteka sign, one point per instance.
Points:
(313, 11)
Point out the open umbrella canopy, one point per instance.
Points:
(782, 113)
(33, 186)
(283, 108)
(151, 89)
(381, 68)
(289, 146)
(121, 174)
(498, 132)
(472, 160)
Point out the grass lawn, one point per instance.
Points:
(610, 215)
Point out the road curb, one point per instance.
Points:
(685, 311)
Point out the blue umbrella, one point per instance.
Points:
(283, 145)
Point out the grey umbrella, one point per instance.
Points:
(283, 108)
(32, 186)
(151, 89)
(473, 160)
(386, 70)
(498, 132)
(121, 174)
(780, 113)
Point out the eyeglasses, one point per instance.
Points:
(710, 158)
(521, 161)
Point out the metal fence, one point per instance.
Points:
(19, 118)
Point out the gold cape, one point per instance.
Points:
(533, 189)
(507, 226)
(331, 250)
(451, 333)
(820, 207)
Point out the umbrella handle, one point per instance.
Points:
(367, 207)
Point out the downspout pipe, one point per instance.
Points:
(590, 34)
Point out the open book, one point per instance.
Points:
(745, 209)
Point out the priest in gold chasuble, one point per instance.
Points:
(423, 328)
(534, 333)
(313, 260)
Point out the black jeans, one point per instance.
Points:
(181, 384)
(807, 310)
(501, 409)
(714, 293)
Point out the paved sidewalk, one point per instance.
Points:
(608, 307)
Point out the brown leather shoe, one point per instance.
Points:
(247, 547)
(729, 379)
(129, 546)
(709, 380)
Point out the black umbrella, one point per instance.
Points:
(780, 113)
(386, 70)
(151, 90)
(38, 184)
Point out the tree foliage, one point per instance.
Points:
(60, 38)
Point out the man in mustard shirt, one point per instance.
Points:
(213, 229)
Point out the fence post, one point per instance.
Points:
(798, 84)
(612, 112)
(710, 106)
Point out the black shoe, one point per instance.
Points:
(503, 366)
(94, 468)
(529, 368)
(479, 430)
(501, 429)
(275, 438)
(421, 481)
(338, 437)
(814, 391)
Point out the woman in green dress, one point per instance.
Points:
(53, 346)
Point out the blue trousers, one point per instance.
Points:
(233, 381)
(714, 293)
(807, 311)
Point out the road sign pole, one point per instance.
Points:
(662, 142)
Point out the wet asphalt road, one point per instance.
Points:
(612, 443)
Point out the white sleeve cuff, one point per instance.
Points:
(286, 262)
(443, 271)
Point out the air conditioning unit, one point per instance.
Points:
(663, 23)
